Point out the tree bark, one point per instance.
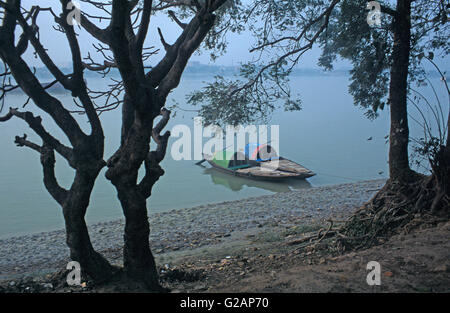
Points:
(145, 96)
(77, 236)
(139, 263)
(398, 89)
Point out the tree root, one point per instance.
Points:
(398, 207)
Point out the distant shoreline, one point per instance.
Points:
(205, 71)
(190, 72)
(191, 227)
(197, 68)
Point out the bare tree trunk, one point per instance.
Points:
(81, 250)
(399, 132)
(139, 263)
(145, 97)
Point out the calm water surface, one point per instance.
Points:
(329, 136)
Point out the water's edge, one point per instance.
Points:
(193, 227)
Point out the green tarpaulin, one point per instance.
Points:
(230, 159)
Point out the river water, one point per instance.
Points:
(329, 135)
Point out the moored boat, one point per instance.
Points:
(257, 162)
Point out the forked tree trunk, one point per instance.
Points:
(81, 250)
(146, 94)
(399, 130)
(139, 263)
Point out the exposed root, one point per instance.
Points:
(397, 207)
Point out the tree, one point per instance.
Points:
(386, 60)
(85, 155)
(141, 92)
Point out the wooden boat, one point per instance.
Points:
(271, 167)
(236, 183)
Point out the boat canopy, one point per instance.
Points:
(230, 159)
(260, 152)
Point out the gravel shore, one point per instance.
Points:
(191, 228)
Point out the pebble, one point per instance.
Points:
(210, 224)
(442, 268)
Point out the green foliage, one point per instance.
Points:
(222, 105)
(285, 29)
(226, 102)
(229, 102)
(435, 130)
(350, 37)
(369, 48)
(228, 20)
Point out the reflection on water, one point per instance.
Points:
(236, 183)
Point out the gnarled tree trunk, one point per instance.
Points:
(85, 155)
(145, 96)
(139, 263)
(77, 237)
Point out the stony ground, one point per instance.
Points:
(249, 246)
(187, 229)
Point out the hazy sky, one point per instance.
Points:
(56, 43)
(238, 49)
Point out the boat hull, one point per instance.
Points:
(271, 170)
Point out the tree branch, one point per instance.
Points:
(32, 87)
(23, 142)
(102, 35)
(78, 85)
(197, 28)
(121, 46)
(40, 50)
(51, 184)
(172, 79)
(163, 41)
(145, 22)
(175, 18)
(153, 170)
(35, 123)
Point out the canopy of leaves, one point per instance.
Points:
(350, 37)
(285, 29)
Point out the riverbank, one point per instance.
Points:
(192, 228)
(253, 245)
